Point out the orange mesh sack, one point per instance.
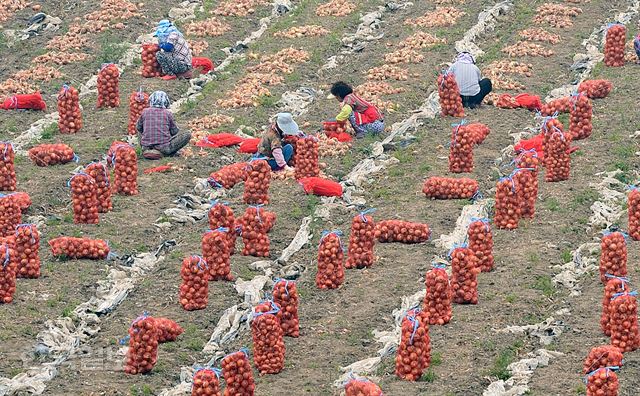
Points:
(526, 183)
(7, 168)
(99, 172)
(256, 187)
(450, 188)
(615, 285)
(449, 93)
(228, 176)
(168, 330)
(143, 346)
(623, 320)
(238, 374)
(285, 295)
(52, 154)
(633, 205)
(138, 101)
(221, 215)
(254, 234)
(461, 149)
(437, 300)
(79, 248)
(84, 196)
(580, 126)
(215, 251)
(361, 387)
(108, 86)
(603, 382)
(529, 160)
(125, 165)
(402, 231)
(268, 338)
(306, 157)
(507, 206)
(10, 215)
(150, 65)
(479, 131)
(194, 290)
(613, 255)
(602, 356)
(414, 352)
(557, 162)
(206, 382)
(70, 116)
(561, 105)
(361, 241)
(22, 199)
(330, 273)
(464, 275)
(480, 240)
(8, 270)
(595, 89)
(27, 248)
(614, 45)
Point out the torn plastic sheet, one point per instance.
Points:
(486, 22)
(41, 23)
(185, 11)
(608, 209)
(297, 102)
(585, 259)
(546, 331)
(478, 209)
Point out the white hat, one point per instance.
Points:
(286, 124)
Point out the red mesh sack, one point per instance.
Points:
(603, 382)
(79, 248)
(168, 330)
(613, 255)
(506, 101)
(624, 321)
(614, 45)
(321, 187)
(480, 240)
(269, 219)
(22, 199)
(556, 106)
(10, 215)
(220, 140)
(249, 146)
(108, 86)
(228, 176)
(402, 231)
(8, 270)
(268, 339)
(206, 382)
(614, 285)
(51, 154)
(142, 354)
(256, 187)
(595, 89)
(529, 160)
(450, 188)
(99, 172)
(526, 182)
(70, 116)
(150, 65)
(285, 294)
(461, 149)
(215, 251)
(84, 197)
(205, 65)
(362, 387)
(507, 206)
(238, 374)
(125, 165)
(254, 234)
(528, 101)
(138, 101)
(27, 248)
(580, 126)
(633, 204)
(449, 93)
(194, 290)
(7, 169)
(221, 215)
(24, 102)
(437, 300)
(330, 273)
(464, 275)
(306, 157)
(414, 352)
(479, 131)
(602, 356)
(361, 241)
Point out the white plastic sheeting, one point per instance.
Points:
(486, 22)
(585, 260)
(546, 331)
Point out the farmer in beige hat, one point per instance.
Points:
(271, 147)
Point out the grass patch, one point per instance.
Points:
(566, 256)
(511, 298)
(49, 131)
(436, 359)
(545, 285)
(503, 360)
(552, 204)
(111, 49)
(429, 376)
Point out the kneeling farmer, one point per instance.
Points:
(174, 56)
(270, 146)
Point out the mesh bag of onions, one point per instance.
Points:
(79, 248)
(22, 199)
(449, 93)
(613, 255)
(580, 126)
(108, 86)
(479, 131)
(450, 188)
(285, 295)
(7, 169)
(614, 45)
(99, 172)
(268, 339)
(437, 300)
(238, 374)
(414, 352)
(293, 141)
(7, 273)
(602, 356)
(194, 290)
(256, 187)
(125, 165)
(557, 161)
(70, 116)
(84, 197)
(526, 183)
(168, 330)
(624, 321)
(221, 215)
(614, 285)
(228, 176)
(361, 387)
(595, 89)
(51, 154)
(206, 382)
(507, 206)
(306, 157)
(528, 160)
(602, 382)
(561, 105)
(464, 275)
(254, 233)
(10, 215)
(142, 354)
(361, 241)
(461, 149)
(633, 205)
(402, 231)
(480, 240)
(330, 273)
(215, 251)
(27, 248)
(150, 65)
(138, 101)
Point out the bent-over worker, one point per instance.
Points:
(365, 118)
(174, 56)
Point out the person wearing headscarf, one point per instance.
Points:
(270, 146)
(174, 56)
(473, 88)
(365, 118)
(157, 130)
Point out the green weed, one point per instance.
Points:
(49, 131)
(580, 390)
(111, 50)
(534, 257)
(436, 359)
(268, 101)
(544, 283)
(566, 256)
(429, 376)
(504, 359)
(511, 298)
(552, 204)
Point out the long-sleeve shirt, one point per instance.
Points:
(271, 146)
(181, 50)
(344, 114)
(467, 77)
(156, 127)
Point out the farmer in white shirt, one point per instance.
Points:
(473, 88)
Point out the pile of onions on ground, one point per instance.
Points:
(450, 188)
(194, 290)
(125, 166)
(215, 251)
(268, 338)
(108, 86)
(10, 215)
(633, 205)
(238, 374)
(254, 232)
(256, 185)
(361, 241)
(480, 240)
(614, 285)
(623, 320)
(449, 93)
(602, 382)
(285, 294)
(99, 172)
(306, 157)
(361, 387)
(8, 268)
(84, 197)
(168, 330)
(402, 231)
(70, 116)
(51, 154)
(206, 382)
(138, 101)
(613, 255)
(150, 65)
(602, 356)
(580, 126)
(614, 45)
(437, 300)
(595, 89)
(79, 248)
(142, 354)
(27, 248)
(7, 168)
(330, 273)
(461, 146)
(464, 275)
(228, 176)
(508, 208)
(414, 352)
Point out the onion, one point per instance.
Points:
(623, 320)
(7, 168)
(360, 387)
(464, 275)
(480, 240)
(440, 17)
(70, 115)
(256, 186)
(633, 204)
(125, 165)
(450, 100)
(268, 341)
(602, 382)
(330, 261)
(228, 176)
(10, 215)
(142, 354)
(306, 157)
(168, 330)
(613, 255)
(336, 8)
(461, 149)
(138, 101)
(556, 15)
(215, 251)
(414, 352)
(580, 126)
(614, 45)
(285, 295)
(562, 105)
(99, 172)
(194, 290)
(361, 242)
(205, 383)
(22, 199)
(254, 232)
(557, 161)
(51, 154)
(238, 374)
(402, 231)
(595, 89)
(613, 286)
(84, 197)
(437, 300)
(221, 216)
(602, 356)
(108, 86)
(450, 188)
(528, 181)
(150, 65)
(27, 247)
(79, 248)
(8, 268)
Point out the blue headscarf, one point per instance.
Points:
(164, 29)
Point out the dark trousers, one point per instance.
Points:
(287, 153)
(474, 101)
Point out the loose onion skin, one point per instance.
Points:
(361, 242)
(613, 286)
(10, 215)
(614, 45)
(108, 86)
(238, 375)
(254, 232)
(330, 273)
(143, 346)
(168, 330)
(221, 216)
(450, 100)
(358, 387)
(215, 251)
(464, 276)
(480, 240)
(463, 140)
(602, 356)
(194, 290)
(633, 204)
(580, 125)
(7, 168)
(99, 172)
(268, 339)
(414, 352)
(84, 196)
(70, 116)
(306, 157)
(437, 300)
(8, 269)
(508, 208)
(150, 66)
(125, 167)
(402, 231)
(285, 295)
(613, 256)
(205, 383)
(138, 101)
(27, 248)
(602, 382)
(79, 248)
(228, 176)
(450, 188)
(256, 186)
(623, 320)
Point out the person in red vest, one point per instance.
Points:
(364, 117)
